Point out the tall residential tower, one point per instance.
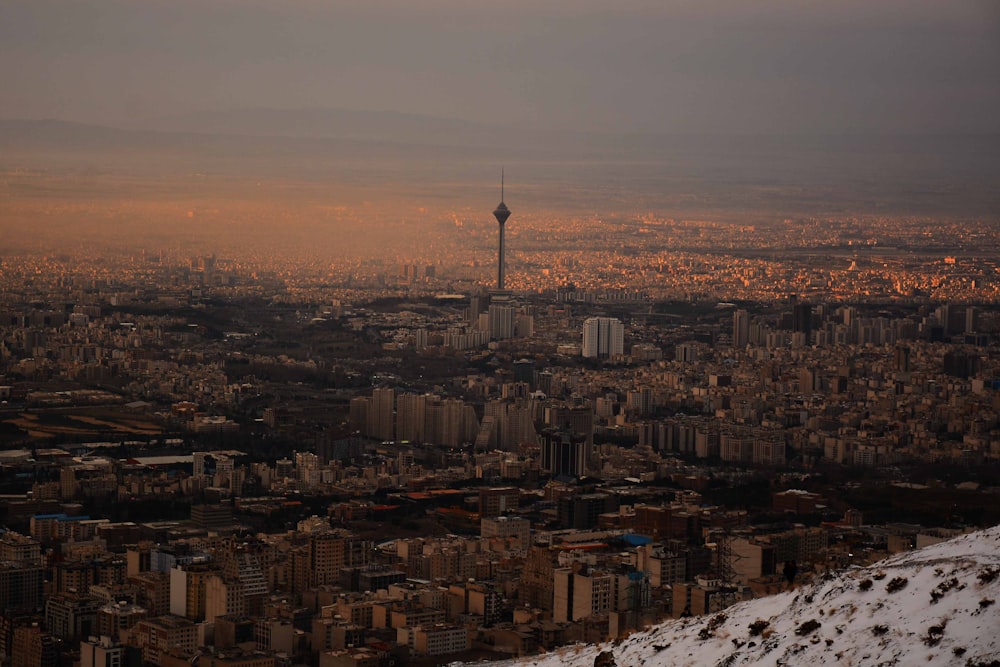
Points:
(603, 337)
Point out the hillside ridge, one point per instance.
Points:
(933, 606)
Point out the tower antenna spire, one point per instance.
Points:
(501, 183)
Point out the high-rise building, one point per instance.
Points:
(212, 517)
(585, 592)
(961, 364)
(410, 417)
(901, 359)
(329, 552)
(537, 577)
(971, 319)
(380, 414)
(603, 337)
(501, 321)
(519, 425)
(68, 483)
(21, 586)
(640, 401)
(153, 591)
(687, 353)
(187, 589)
(524, 371)
(802, 318)
(155, 636)
(563, 453)
(33, 648)
(574, 419)
(581, 512)
(71, 616)
(116, 617)
(475, 307)
(524, 325)
(358, 419)
(451, 422)
(18, 548)
(741, 329)
(497, 501)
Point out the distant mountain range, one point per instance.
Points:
(936, 606)
(329, 123)
(392, 128)
(274, 127)
(734, 174)
(48, 133)
(29, 134)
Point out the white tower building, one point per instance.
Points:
(603, 337)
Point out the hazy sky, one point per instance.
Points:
(667, 66)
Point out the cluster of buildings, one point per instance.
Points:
(821, 383)
(471, 474)
(530, 571)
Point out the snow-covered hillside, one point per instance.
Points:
(935, 606)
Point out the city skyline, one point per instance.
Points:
(275, 390)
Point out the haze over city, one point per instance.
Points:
(381, 334)
(775, 109)
(646, 67)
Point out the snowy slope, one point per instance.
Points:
(929, 607)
